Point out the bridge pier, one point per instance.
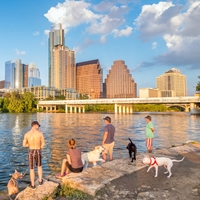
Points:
(120, 109)
(194, 109)
(131, 109)
(124, 110)
(127, 110)
(115, 108)
(66, 108)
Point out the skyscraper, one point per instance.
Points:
(89, 78)
(172, 83)
(119, 82)
(62, 60)
(33, 75)
(16, 75)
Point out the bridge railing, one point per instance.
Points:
(161, 100)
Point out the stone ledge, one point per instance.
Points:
(93, 179)
(39, 193)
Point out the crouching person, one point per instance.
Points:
(73, 162)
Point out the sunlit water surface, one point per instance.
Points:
(87, 130)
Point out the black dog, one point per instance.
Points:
(132, 148)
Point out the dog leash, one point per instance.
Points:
(25, 172)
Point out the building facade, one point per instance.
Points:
(2, 84)
(43, 92)
(172, 81)
(62, 60)
(119, 82)
(89, 78)
(16, 74)
(149, 93)
(33, 76)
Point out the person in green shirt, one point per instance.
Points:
(149, 134)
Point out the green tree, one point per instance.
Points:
(48, 98)
(29, 101)
(14, 102)
(83, 96)
(198, 85)
(60, 97)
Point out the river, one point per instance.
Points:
(87, 129)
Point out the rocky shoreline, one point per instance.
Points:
(121, 179)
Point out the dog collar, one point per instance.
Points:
(155, 162)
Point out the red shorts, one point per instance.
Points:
(149, 142)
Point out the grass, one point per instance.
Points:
(69, 193)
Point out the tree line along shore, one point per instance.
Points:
(27, 103)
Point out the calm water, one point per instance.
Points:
(87, 129)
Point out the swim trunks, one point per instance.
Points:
(34, 155)
(149, 142)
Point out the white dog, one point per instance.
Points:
(92, 156)
(155, 162)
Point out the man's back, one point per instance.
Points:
(110, 129)
(34, 138)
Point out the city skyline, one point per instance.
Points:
(109, 31)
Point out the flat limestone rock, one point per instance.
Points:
(91, 179)
(124, 165)
(41, 191)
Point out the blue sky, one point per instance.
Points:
(150, 36)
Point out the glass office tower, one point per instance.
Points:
(34, 76)
(62, 60)
(16, 74)
(56, 37)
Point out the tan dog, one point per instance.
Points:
(13, 184)
(92, 156)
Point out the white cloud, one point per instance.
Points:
(103, 39)
(46, 32)
(20, 53)
(87, 42)
(36, 33)
(179, 26)
(71, 13)
(158, 19)
(109, 21)
(154, 45)
(103, 6)
(42, 43)
(124, 32)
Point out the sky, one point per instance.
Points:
(150, 36)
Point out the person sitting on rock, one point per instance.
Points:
(73, 162)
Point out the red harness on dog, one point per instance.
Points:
(155, 162)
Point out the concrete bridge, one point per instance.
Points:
(123, 105)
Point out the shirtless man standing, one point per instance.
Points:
(34, 139)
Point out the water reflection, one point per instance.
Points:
(87, 130)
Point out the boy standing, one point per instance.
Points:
(149, 134)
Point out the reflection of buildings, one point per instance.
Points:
(33, 75)
(89, 78)
(16, 74)
(42, 92)
(119, 82)
(62, 60)
(172, 84)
